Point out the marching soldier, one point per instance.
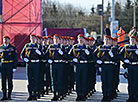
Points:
(56, 54)
(8, 57)
(92, 66)
(117, 68)
(41, 67)
(31, 55)
(47, 79)
(106, 58)
(79, 53)
(129, 55)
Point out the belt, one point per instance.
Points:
(66, 61)
(44, 60)
(109, 62)
(56, 61)
(134, 63)
(70, 61)
(83, 61)
(10, 61)
(34, 61)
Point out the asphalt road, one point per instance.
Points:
(20, 89)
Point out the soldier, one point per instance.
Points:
(8, 56)
(129, 55)
(106, 58)
(41, 67)
(30, 54)
(56, 54)
(92, 66)
(47, 79)
(79, 53)
(117, 68)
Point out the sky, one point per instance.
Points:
(86, 4)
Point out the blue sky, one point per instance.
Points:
(85, 4)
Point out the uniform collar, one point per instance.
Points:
(6, 45)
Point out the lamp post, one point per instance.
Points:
(134, 19)
(102, 19)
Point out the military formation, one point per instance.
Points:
(58, 65)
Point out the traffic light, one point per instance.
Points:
(100, 9)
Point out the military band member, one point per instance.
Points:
(8, 64)
(31, 55)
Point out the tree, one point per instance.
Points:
(128, 4)
(81, 13)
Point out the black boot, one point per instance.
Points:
(4, 96)
(9, 95)
(104, 97)
(109, 97)
(83, 97)
(79, 97)
(47, 90)
(34, 96)
(30, 98)
(55, 98)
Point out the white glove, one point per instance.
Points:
(60, 52)
(99, 61)
(136, 52)
(126, 61)
(50, 61)
(75, 60)
(111, 53)
(26, 60)
(38, 52)
(13, 70)
(87, 52)
(100, 69)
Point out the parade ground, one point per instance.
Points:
(20, 93)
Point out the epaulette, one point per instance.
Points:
(26, 44)
(13, 45)
(126, 45)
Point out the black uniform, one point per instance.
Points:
(8, 57)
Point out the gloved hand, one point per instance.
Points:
(111, 53)
(60, 52)
(99, 61)
(38, 52)
(13, 70)
(50, 61)
(126, 61)
(87, 52)
(75, 60)
(136, 52)
(26, 60)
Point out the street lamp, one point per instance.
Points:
(134, 13)
(102, 19)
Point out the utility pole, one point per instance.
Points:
(113, 10)
(102, 19)
(113, 19)
(134, 14)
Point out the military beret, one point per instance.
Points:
(6, 36)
